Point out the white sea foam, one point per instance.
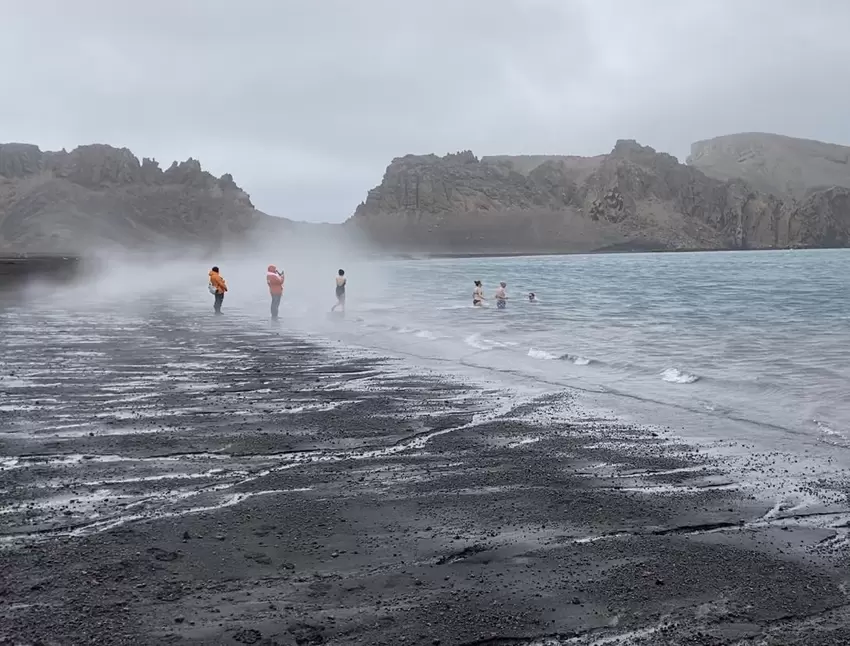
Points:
(13, 382)
(676, 376)
(476, 341)
(523, 442)
(419, 334)
(541, 354)
(826, 429)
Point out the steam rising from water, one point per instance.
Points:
(138, 281)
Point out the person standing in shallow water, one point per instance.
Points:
(218, 286)
(501, 296)
(340, 291)
(274, 279)
(478, 294)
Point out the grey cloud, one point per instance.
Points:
(306, 101)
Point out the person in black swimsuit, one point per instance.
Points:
(478, 294)
(340, 291)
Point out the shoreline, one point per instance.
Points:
(601, 251)
(25, 264)
(279, 492)
(17, 269)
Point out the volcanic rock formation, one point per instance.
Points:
(631, 198)
(98, 196)
(774, 163)
(780, 192)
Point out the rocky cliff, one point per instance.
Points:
(632, 198)
(98, 196)
(774, 163)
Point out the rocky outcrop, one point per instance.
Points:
(774, 164)
(822, 219)
(634, 197)
(20, 160)
(100, 166)
(99, 195)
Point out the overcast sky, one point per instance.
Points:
(305, 102)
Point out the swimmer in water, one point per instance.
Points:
(532, 297)
(340, 291)
(478, 294)
(501, 296)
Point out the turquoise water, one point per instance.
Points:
(758, 336)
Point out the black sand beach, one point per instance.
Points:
(169, 479)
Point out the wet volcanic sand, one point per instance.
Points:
(170, 480)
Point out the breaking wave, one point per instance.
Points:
(541, 354)
(480, 343)
(548, 356)
(676, 376)
(826, 429)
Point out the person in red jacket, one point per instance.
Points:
(274, 279)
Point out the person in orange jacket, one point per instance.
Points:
(274, 279)
(218, 286)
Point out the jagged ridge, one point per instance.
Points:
(634, 197)
(631, 198)
(99, 165)
(98, 195)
